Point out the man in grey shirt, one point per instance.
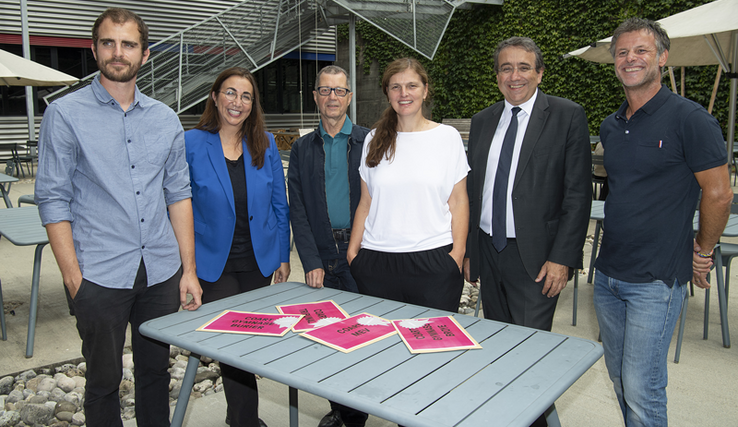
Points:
(113, 192)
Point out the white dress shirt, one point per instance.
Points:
(485, 222)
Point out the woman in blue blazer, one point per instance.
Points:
(242, 233)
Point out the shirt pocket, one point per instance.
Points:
(157, 149)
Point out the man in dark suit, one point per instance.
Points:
(529, 192)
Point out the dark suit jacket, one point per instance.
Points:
(552, 191)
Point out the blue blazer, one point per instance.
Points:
(215, 212)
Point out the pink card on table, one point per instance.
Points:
(354, 332)
(317, 314)
(434, 334)
(243, 322)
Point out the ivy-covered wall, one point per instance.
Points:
(462, 73)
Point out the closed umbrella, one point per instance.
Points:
(17, 71)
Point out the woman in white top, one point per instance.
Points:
(409, 234)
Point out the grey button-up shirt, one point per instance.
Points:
(112, 174)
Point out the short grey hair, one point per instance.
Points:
(637, 24)
(525, 43)
(332, 69)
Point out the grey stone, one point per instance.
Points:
(9, 418)
(59, 424)
(79, 390)
(38, 399)
(78, 419)
(27, 392)
(82, 367)
(36, 414)
(65, 407)
(27, 375)
(201, 387)
(57, 395)
(79, 381)
(206, 360)
(125, 387)
(65, 383)
(64, 416)
(65, 367)
(206, 374)
(127, 374)
(73, 397)
(128, 361)
(46, 384)
(127, 402)
(174, 392)
(15, 396)
(6, 385)
(173, 351)
(177, 373)
(128, 413)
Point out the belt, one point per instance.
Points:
(342, 234)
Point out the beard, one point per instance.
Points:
(127, 74)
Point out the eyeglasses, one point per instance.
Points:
(522, 69)
(231, 96)
(326, 90)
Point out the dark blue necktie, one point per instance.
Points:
(499, 193)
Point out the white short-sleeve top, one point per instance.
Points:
(409, 210)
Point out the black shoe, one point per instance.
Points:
(331, 419)
(261, 422)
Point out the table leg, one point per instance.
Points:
(184, 393)
(576, 298)
(552, 417)
(6, 197)
(721, 298)
(294, 411)
(706, 319)
(592, 257)
(2, 314)
(34, 300)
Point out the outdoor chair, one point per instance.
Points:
(27, 199)
(728, 251)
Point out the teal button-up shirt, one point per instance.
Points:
(336, 175)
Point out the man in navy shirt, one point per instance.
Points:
(113, 191)
(660, 150)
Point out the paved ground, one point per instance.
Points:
(702, 387)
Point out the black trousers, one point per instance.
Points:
(102, 317)
(239, 386)
(509, 294)
(429, 278)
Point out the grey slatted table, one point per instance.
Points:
(6, 179)
(511, 381)
(22, 227)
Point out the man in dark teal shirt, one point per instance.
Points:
(324, 188)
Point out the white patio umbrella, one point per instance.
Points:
(17, 71)
(698, 36)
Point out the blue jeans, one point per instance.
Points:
(637, 322)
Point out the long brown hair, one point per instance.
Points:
(253, 128)
(382, 145)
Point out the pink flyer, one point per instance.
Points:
(434, 334)
(242, 322)
(355, 332)
(316, 314)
